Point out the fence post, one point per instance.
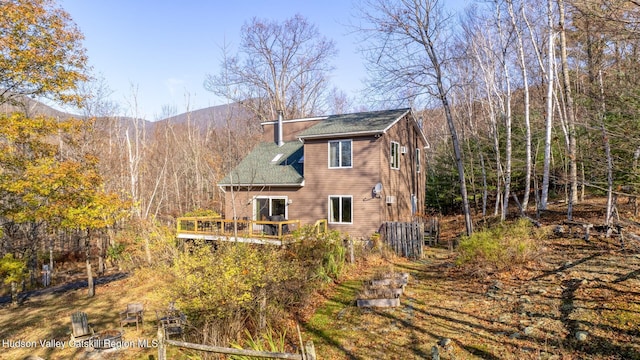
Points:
(162, 350)
(311, 350)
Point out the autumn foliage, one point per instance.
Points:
(41, 52)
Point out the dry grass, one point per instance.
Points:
(48, 317)
(527, 312)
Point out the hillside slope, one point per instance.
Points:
(578, 300)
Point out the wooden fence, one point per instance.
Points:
(309, 352)
(405, 238)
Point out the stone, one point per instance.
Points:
(444, 342)
(581, 335)
(528, 330)
(497, 285)
(525, 299)
(435, 353)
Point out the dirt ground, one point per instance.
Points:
(577, 300)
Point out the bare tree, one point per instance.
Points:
(407, 54)
(568, 97)
(504, 38)
(481, 51)
(548, 75)
(279, 66)
(526, 98)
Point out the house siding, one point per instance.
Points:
(370, 165)
(357, 181)
(404, 182)
(244, 202)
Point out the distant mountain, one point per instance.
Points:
(211, 117)
(215, 117)
(32, 107)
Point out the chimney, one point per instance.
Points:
(280, 136)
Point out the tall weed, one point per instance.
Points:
(270, 341)
(323, 255)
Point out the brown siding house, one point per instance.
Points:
(355, 170)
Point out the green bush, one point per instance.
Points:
(498, 248)
(115, 251)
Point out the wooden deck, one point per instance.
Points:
(248, 231)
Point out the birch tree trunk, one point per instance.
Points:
(504, 47)
(570, 113)
(607, 152)
(544, 196)
(481, 57)
(527, 106)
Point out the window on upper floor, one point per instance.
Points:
(418, 160)
(340, 209)
(395, 155)
(340, 154)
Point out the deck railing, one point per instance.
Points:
(246, 228)
(321, 226)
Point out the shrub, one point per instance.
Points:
(144, 242)
(498, 248)
(216, 283)
(227, 287)
(322, 254)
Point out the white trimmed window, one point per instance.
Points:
(340, 209)
(340, 154)
(395, 155)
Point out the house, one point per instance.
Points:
(355, 170)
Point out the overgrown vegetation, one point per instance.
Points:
(230, 289)
(498, 248)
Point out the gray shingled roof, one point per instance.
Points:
(357, 123)
(257, 168)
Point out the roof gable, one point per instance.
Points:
(355, 124)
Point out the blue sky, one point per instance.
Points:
(158, 53)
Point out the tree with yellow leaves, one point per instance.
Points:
(44, 189)
(41, 52)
